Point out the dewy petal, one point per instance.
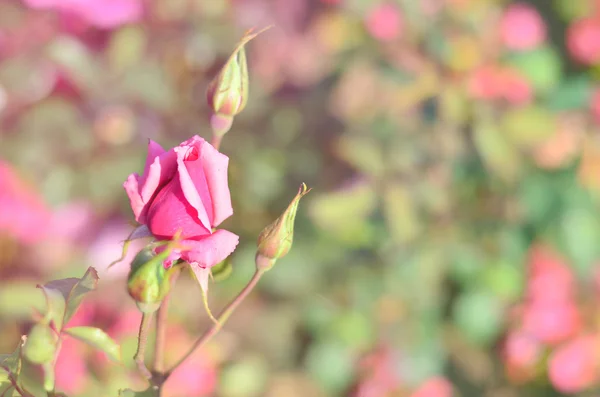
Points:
(189, 189)
(210, 250)
(160, 167)
(132, 189)
(215, 168)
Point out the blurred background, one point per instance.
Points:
(450, 246)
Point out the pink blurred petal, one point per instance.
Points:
(215, 169)
(522, 27)
(573, 367)
(131, 186)
(583, 40)
(71, 370)
(434, 387)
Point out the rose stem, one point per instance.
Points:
(216, 141)
(141, 349)
(212, 331)
(161, 330)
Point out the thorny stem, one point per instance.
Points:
(222, 318)
(161, 330)
(141, 349)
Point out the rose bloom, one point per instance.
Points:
(184, 190)
(522, 28)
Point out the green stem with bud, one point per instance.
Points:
(161, 329)
(222, 318)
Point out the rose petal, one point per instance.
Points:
(132, 189)
(160, 167)
(196, 172)
(215, 168)
(189, 189)
(171, 212)
(210, 250)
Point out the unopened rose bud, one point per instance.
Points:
(227, 93)
(148, 281)
(276, 239)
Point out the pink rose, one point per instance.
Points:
(185, 190)
(522, 28)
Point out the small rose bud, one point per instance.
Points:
(227, 93)
(148, 281)
(276, 239)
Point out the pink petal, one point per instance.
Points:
(160, 167)
(132, 189)
(196, 172)
(215, 168)
(190, 192)
(210, 250)
(170, 212)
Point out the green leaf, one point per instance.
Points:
(541, 66)
(37, 379)
(64, 296)
(97, 338)
(496, 152)
(478, 314)
(6, 386)
(528, 126)
(41, 344)
(572, 94)
(12, 362)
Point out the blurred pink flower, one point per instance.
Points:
(380, 378)
(595, 105)
(491, 82)
(198, 375)
(434, 387)
(573, 367)
(107, 247)
(550, 278)
(515, 88)
(583, 40)
(71, 370)
(23, 214)
(384, 22)
(105, 14)
(522, 27)
(195, 377)
(521, 353)
(552, 322)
